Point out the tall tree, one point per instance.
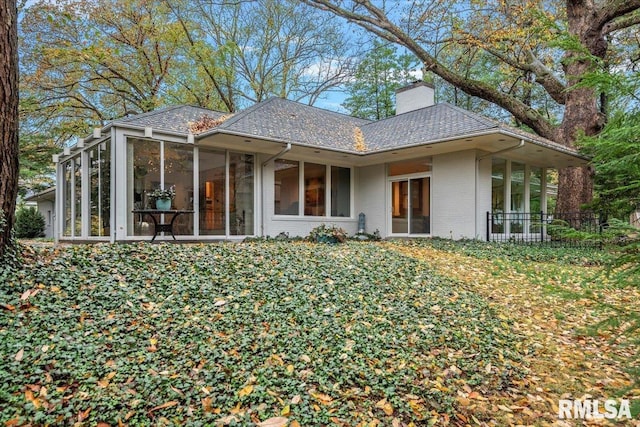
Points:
(85, 63)
(250, 51)
(378, 74)
(541, 48)
(8, 120)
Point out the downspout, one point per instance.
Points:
(274, 157)
(515, 147)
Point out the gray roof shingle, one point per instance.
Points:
(172, 119)
(289, 121)
(436, 123)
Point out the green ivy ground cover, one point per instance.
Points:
(234, 334)
(585, 256)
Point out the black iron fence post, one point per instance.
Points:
(488, 226)
(542, 222)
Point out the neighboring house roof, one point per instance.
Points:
(47, 194)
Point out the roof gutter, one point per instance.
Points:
(277, 156)
(515, 147)
(274, 157)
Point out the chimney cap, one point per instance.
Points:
(415, 84)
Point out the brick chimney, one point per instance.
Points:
(415, 96)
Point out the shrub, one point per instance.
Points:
(328, 234)
(29, 223)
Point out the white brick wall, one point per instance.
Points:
(454, 195)
(371, 197)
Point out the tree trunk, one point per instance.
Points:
(583, 115)
(8, 119)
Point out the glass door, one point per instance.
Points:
(411, 206)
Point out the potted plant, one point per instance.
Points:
(163, 197)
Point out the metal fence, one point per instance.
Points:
(562, 229)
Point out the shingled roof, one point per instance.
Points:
(282, 120)
(436, 123)
(170, 119)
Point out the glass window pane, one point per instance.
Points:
(314, 189)
(287, 187)
(420, 206)
(77, 196)
(100, 184)
(340, 191)
(68, 196)
(178, 173)
(212, 192)
(497, 185)
(535, 186)
(517, 197)
(535, 198)
(143, 176)
(552, 190)
(399, 207)
(241, 194)
(498, 169)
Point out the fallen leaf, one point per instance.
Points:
(19, 355)
(245, 391)
(31, 398)
(385, 406)
(226, 420)
(165, 405)
(273, 422)
(321, 397)
(295, 399)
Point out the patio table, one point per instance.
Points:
(159, 227)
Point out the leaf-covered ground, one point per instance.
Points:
(555, 297)
(243, 334)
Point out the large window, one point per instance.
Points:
(520, 192)
(315, 178)
(517, 197)
(241, 177)
(287, 187)
(77, 196)
(156, 164)
(100, 185)
(498, 185)
(72, 197)
(67, 177)
(178, 173)
(340, 191)
(144, 173)
(318, 179)
(212, 191)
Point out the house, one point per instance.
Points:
(45, 202)
(280, 166)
